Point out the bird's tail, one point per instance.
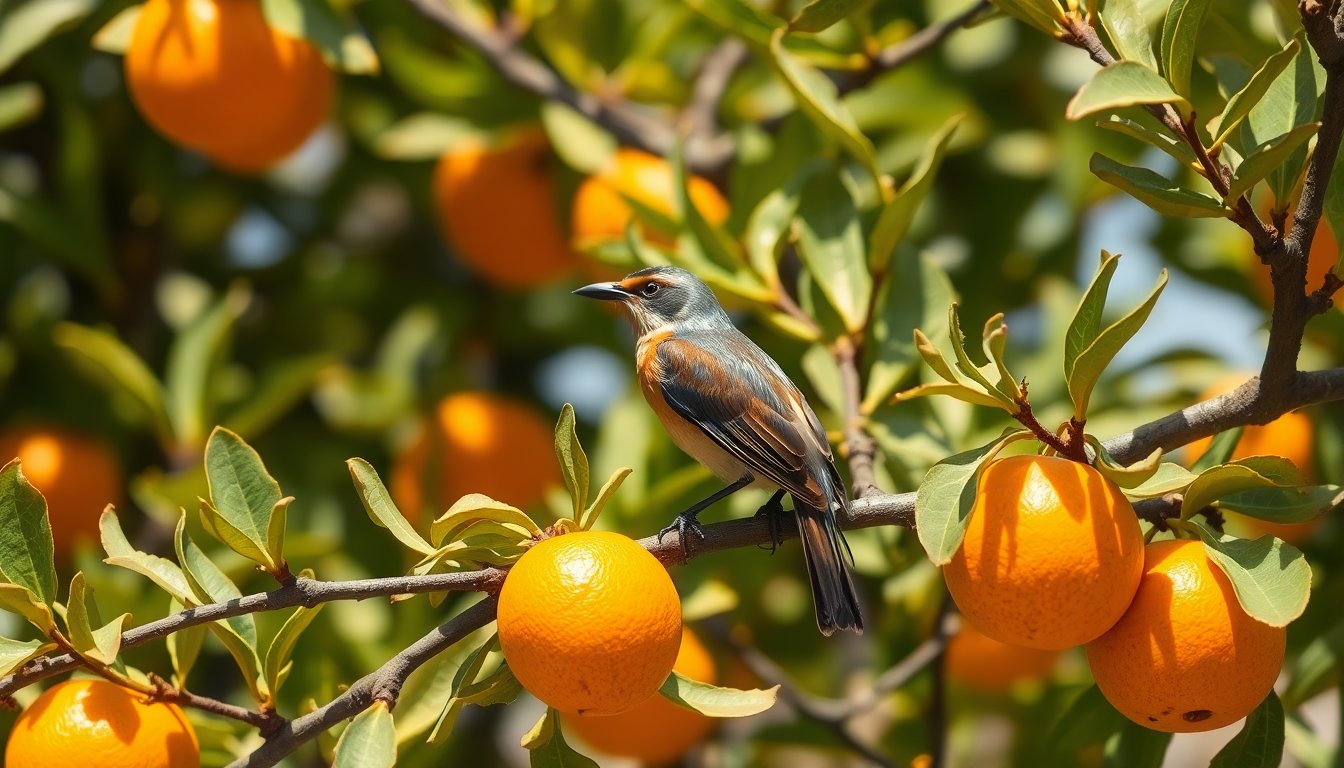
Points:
(825, 552)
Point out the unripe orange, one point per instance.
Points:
(1052, 553)
(1186, 656)
(601, 214)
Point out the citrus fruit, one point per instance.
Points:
(497, 206)
(211, 75)
(600, 213)
(589, 622)
(655, 731)
(476, 442)
(1185, 656)
(1324, 251)
(77, 473)
(978, 661)
(1052, 553)
(94, 722)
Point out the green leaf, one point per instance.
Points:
(1131, 476)
(604, 495)
(580, 143)
(715, 701)
(1122, 84)
(475, 508)
(830, 242)
(1266, 158)
(1259, 744)
(758, 26)
(90, 637)
(1179, 34)
(497, 687)
(1220, 449)
(1169, 144)
(1226, 479)
(819, 100)
(165, 573)
(1044, 15)
(769, 223)
(19, 103)
(573, 461)
(369, 741)
(191, 366)
(1136, 747)
(115, 36)
(424, 136)
(1284, 505)
(1316, 668)
(184, 647)
(959, 391)
(380, 508)
(1242, 102)
(13, 653)
(22, 601)
(244, 499)
(1127, 26)
(1156, 191)
(113, 365)
(1272, 579)
(25, 26)
(277, 662)
(1168, 478)
(912, 295)
(26, 552)
(1292, 99)
(818, 15)
(547, 748)
(946, 495)
(343, 46)
(1089, 720)
(1085, 325)
(280, 387)
(895, 217)
(1092, 361)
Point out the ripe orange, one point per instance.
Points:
(1324, 251)
(94, 722)
(978, 661)
(1052, 553)
(590, 622)
(1185, 657)
(601, 214)
(496, 204)
(654, 731)
(77, 473)
(213, 76)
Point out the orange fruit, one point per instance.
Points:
(476, 442)
(1052, 553)
(77, 473)
(654, 731)
(600, 213)
(496, 205)
(1185, 657)
(94, 722)
(978, 661)
(589, 622)
(213, 76)
(1324, 252)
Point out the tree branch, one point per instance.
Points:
(912, 47)
(266, 722)
(860, 447)
(383, 684)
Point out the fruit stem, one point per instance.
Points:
(1065, 445)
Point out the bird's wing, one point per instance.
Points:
(734, 393)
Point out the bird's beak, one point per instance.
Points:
(604, 292)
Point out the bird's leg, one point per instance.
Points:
(772, 511)
(687, 520)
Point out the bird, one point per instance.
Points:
(729, 405)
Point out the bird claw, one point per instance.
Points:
(681, 524)
(772, 511)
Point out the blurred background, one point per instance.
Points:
(397, 287)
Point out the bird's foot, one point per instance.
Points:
(682, 523)
(773, 512)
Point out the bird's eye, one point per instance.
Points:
(650, 289)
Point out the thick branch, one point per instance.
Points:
(383, 684)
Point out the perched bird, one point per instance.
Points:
(729, 406)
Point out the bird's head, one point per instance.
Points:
(662, 297)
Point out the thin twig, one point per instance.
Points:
(716, 71)
(860, 447)
(383, 684)
(265, 722)
(912, 47)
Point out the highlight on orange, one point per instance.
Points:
(982, 663)
(1052, 553)
(475, 442)
(1185, 657)
(95, 722)
(496, 203)
(77, 473)
(213, 76)
(601, 214)
(655, 731)
(589, 622)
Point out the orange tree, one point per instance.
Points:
(242, 241)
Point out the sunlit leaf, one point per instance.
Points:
(1241, 103)
(895, 217)
(369, 741)
(1156, 191)
(245, 499)
(26, 551)
(830, 241)
(378, 504)
(573, 461)
(1272, 579)
(1266, 158)
(715, 701)
(1180, 30)
(1122, 84)
(343, 46)
(946, 495)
